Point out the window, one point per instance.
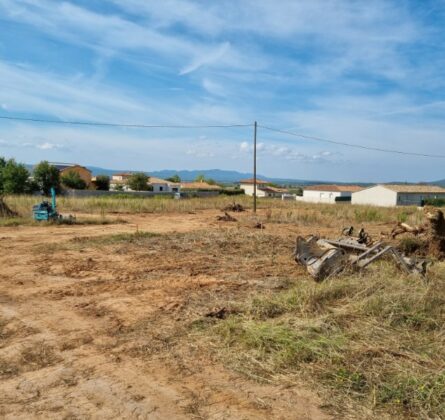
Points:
(161, 188)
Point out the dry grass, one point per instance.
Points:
(126, 204)
(276, 211)
(372, 343)
(37, 356)
(29, 221)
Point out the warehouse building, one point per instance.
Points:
(390, 195)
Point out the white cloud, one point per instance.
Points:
(49, 146)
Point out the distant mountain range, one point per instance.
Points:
(441, 183)
(228, 177)
(219, 175)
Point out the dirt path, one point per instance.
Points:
(84, 334)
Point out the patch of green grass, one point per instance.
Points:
(422, 393)
(287, 346)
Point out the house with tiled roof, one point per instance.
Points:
(65, 168)
(390, 195)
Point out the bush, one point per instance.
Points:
(103, 182)
(138, 182)
(174, 178)
(14, 177)
(436, 202)
(73, 180)
(47, 176)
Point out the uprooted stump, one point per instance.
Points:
(436, 233)
(235, 207)
(226, 218)
(5, 211)
(428, 238)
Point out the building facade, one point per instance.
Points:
(328, 193)
(391, 195)
(65, 168)
(247, 186)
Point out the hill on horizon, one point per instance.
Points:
(228, 176)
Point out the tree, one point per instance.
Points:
(47, 176)
(73, 180)
(210, 181)
(2, 165)
(202, 178)
(14, 177)
(138, 181)
(103, 182)
(174, 178)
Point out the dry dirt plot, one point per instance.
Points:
(176, 315)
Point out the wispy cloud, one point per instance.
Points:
(207, 58)
(367, 72)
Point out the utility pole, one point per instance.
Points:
(254, 166)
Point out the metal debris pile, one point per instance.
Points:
(324, 258)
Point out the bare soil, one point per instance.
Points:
(92, 327)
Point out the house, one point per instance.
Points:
(268, 191)
(65, 168)
(119, 181)
(328, 193)
(247, 186)
(162, 185)
(263, 189)
(390, 195)
(121, 176)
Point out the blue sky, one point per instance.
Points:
(370, 73)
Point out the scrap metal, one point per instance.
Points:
(324, 258)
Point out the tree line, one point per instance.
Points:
(15, 178)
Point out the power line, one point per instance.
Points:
(108, 124)
(357, 146)
(181, 126)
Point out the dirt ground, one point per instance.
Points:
(99, 329)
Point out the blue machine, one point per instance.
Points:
(46, 210)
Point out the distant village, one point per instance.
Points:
(379, 195)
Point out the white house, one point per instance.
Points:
(120, 177)
(262, 188)
(390, 195)
(159, 185)
(328, 193)
(247, 186)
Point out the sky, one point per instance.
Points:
(365, 72)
